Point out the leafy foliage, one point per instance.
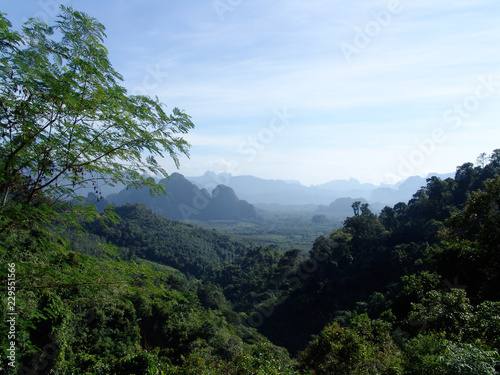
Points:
(66, 121)
(99, 315)
(254, 278)
(340, 350)
(144, 234)
(433, 354)
(472, 246)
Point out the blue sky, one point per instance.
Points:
(311, 90)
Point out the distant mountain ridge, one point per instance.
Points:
(185, 201)
(225, 197)
(341, 206)
(261, 191)
(346, 185)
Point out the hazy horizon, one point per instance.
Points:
(311, 91)
(296, 181)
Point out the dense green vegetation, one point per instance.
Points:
(142, 233)
(443, 246)
(87, 314)
(413, 290)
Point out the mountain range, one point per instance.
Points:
(226, 197)
(185, 201)
(261, 191)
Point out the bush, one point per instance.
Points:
(465, 359)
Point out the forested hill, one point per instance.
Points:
(185, 201)
(448, 233)
(142, 233)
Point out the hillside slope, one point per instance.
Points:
(145, 234)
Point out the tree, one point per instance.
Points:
(472, 243)
(355, 207)
(66, 122)
(337, 350)
(363, 348)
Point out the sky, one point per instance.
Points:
(314, 90)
